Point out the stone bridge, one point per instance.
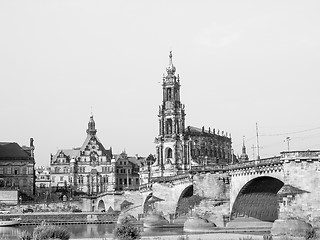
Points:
(261, 189)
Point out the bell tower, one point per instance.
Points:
(170, 141)
(91, 127)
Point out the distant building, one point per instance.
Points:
(179, 148)
(91, 168)
(127, 171)
(43, 179)
(17, 167)
(87, 169)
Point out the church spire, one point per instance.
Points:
(243, 146)
(171, 69)
(91, 126)
(244, 156)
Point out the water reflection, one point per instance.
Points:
(87, 231)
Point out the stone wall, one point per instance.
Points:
(304, 175)
(9, 197)
(213, 210)
(170, 194)
(214, 186)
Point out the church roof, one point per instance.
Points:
(12, 150)
(190, 130)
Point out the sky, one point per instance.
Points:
(241, 63)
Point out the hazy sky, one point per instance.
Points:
(240, 62)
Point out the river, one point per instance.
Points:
(86, 231)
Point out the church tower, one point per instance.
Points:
(244, 156)
(171, 146)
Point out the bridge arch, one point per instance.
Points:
(186, 193)
(146, 204)
(258, 199)
(101, 206)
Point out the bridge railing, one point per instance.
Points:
(261, 162)
(300, 155)
(215, 168)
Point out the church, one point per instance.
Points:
(179, 148)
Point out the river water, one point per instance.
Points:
(86, 231)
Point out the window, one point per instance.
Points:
(1, 170)
(61, 179)
(16, 171)
(129, 181)
(137, 181)
(125, 181)
(24, 170)
(53, 179)
(9, 170)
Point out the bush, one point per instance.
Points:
(183, 237)
(125, 230)
(310, 234)
(246, 238)
(24, 235)
(45, 231)
(267, 237)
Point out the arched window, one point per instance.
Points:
(169, 94)
(177, 127)
(169, 126)
(169, 153)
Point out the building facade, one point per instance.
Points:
(87, 169)
(17, 167)
(43, 177)
(127, 171)
(179, 148)
(92, 169)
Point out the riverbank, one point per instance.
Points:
(205, 236)
(62, 218)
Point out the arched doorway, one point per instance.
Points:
(258, 199)
(101, 206)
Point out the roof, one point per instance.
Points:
(74, 152)
(101, 147)
(137, 161)
(195, 130)
(290, 190)
(12, 150)
(134, 160)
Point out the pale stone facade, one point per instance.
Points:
(88, 169)
(92, 169)
(43, 179)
